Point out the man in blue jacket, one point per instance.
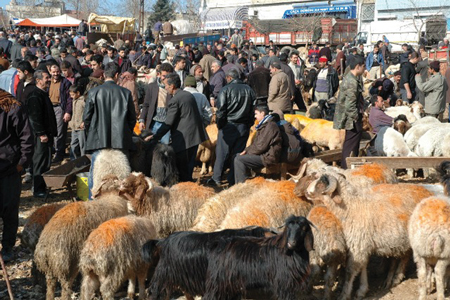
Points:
(375, 63)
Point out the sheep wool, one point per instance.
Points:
(110, 162)
(58, 250)
(321, 133)
(112, 254)
(429, 233)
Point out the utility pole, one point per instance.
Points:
(141, 16)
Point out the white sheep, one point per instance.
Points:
(413, 135)
(426, 120)
(412, 113)
(330, 248)
(429, 233)
(389, 142)
(110, 162)
(372, 222)
(431, 143)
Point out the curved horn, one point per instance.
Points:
(331, 184)
(302, 170)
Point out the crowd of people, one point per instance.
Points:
(51, 82)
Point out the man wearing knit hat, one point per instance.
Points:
(203, 105)
(435, 89)
(327, 81)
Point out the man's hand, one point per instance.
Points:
(141, 126)
(297, 82)
(44, 138)
(148, 138)
(82, 125)
(409, 95)
(19, 168)
(67, 117)
(243, 152)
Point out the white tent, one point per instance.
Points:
(59, 21)
(112, 24)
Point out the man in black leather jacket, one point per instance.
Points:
(109, 117)
(234, 118)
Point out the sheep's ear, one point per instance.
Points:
(140, 193)
(148, 250)
(309, 241)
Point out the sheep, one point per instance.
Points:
(416, 132)
(110, 161)
(206, 152)
(57, 252)
(141, 158)
(429, 233)
(445, 146)
(302, 119)
(412, 113)
(269, 206)
(164, 168)
(330, 248)
(278, 264)
(32, 231)
(323, 109)
(171, 209)
(112, 254)
(444, 175)
(401, 124)
(183, 260)
(389, 142)
(426, 120)
(321, 133)
(374, 221)
(431, 143)
(213, 211)
(364, 176)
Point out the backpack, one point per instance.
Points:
(292, 144)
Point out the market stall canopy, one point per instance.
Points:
(224, 18)
(58, 21)
(111, 24)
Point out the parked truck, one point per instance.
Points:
(398, 32)
(301, 31)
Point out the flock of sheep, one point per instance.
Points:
(230, 243)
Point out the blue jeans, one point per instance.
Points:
(154, 128)
(91, 173)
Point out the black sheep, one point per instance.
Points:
(164, 168)
(183, 260)
(278, 265)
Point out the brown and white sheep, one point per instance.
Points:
(330, 249)
(429, 233)
(112, 254)
(268, 206)
(171, 209)
(374, 221)
(58, 250)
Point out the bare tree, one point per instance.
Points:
(191, 12)
(307, 29)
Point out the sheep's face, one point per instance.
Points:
(402, 126)
(302, 185)
(134, 187)
(324, 190)
(299, 234)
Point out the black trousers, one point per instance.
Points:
(10, 187)
(185, 163)
(244, 162)
(42, 159)
(231, 140)
(298, 99)
(351, 142)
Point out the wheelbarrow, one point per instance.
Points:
(65, 175)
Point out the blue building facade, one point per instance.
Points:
(343, 9)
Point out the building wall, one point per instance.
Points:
(49, 9)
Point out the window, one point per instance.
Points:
(367, 12)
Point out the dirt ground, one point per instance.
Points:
(19, 270)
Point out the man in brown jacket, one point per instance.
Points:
(167, 28)
(279, 90)
(265, 149)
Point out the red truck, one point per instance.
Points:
(298, 32)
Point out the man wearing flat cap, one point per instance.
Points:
(435, 89)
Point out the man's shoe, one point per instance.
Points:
(8, 255)
(28, 178)
(40, 195)
(212, 182)
(57, 160)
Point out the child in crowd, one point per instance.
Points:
(78, 142)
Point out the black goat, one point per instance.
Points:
(141, 157)
(444, 174)
(183, 260)
(164, 168)
(278, 265)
